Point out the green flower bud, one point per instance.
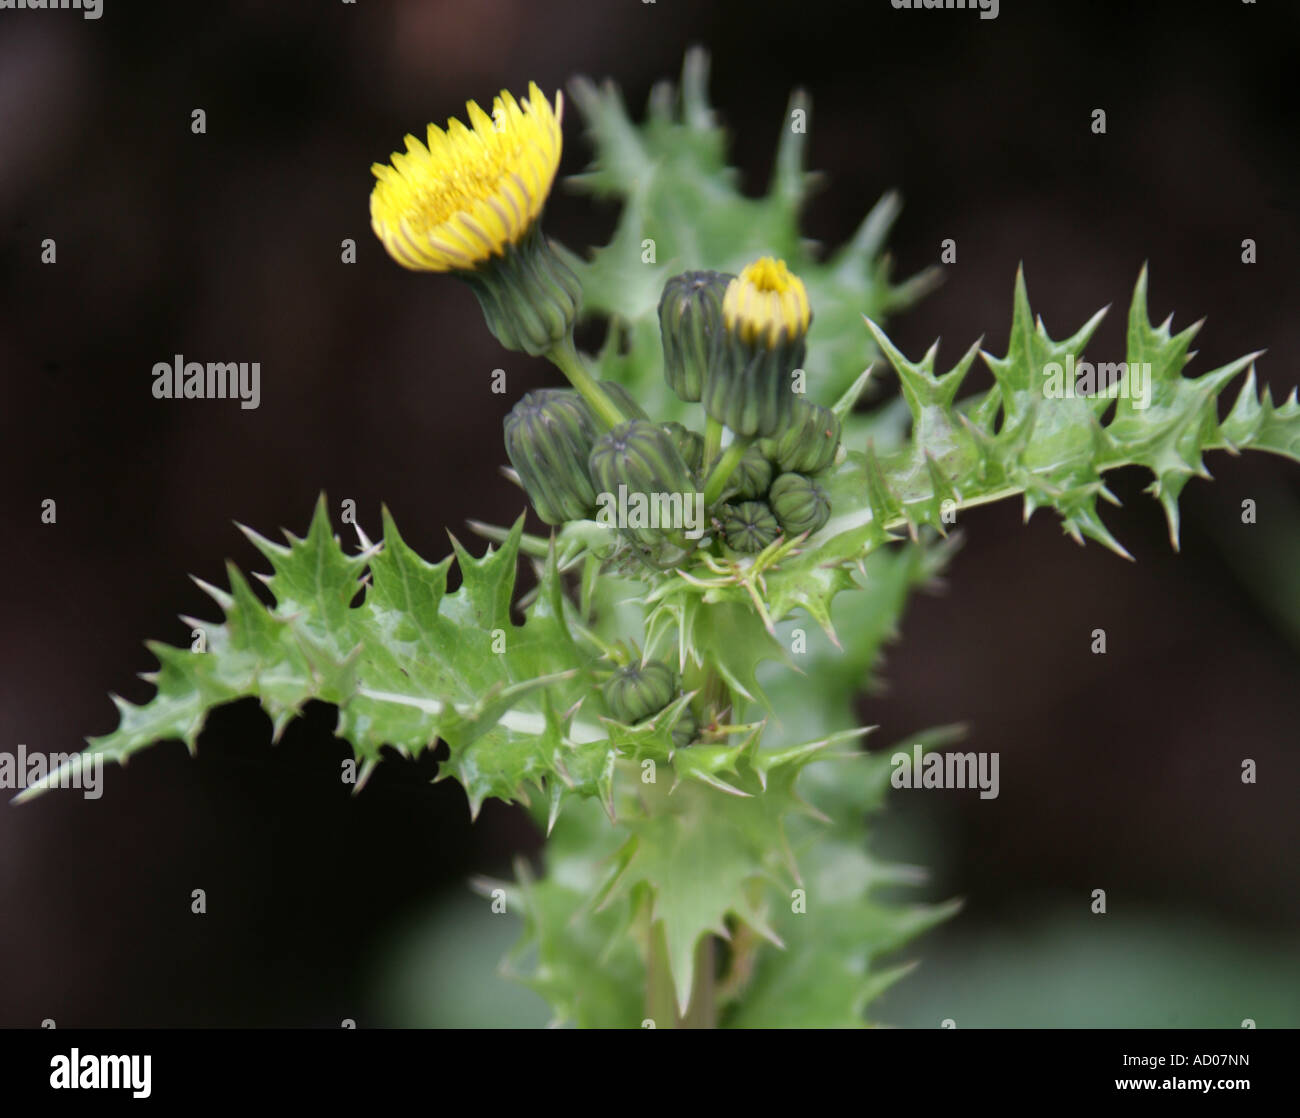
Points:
(689, 443)
(624, 399)
(800, 504)
(749, 526)
(549, 435)
(645, 489)
(808, 445)
(686, 729)
(634, 693)
(690, 315)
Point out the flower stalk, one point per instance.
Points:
(566, 358)
(723, 470)
(712, 439)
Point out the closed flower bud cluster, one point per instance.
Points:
(773, 490)
(731, 343)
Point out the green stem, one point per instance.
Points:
(724, 469)
(565, 358)
(712, 439)
(702, 1013)
(661, 998)
(740, 968)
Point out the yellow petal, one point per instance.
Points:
(467, 193)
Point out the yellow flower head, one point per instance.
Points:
(766, 301)
(471, 192)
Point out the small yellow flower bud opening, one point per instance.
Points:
(766, 303)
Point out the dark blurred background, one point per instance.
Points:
(1118, 772)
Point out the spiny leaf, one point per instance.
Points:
(1033, 434)
(408, 666)
(583, 963)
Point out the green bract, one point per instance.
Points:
(529, 295)
(749, 386)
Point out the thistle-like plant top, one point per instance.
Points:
(714, 845)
